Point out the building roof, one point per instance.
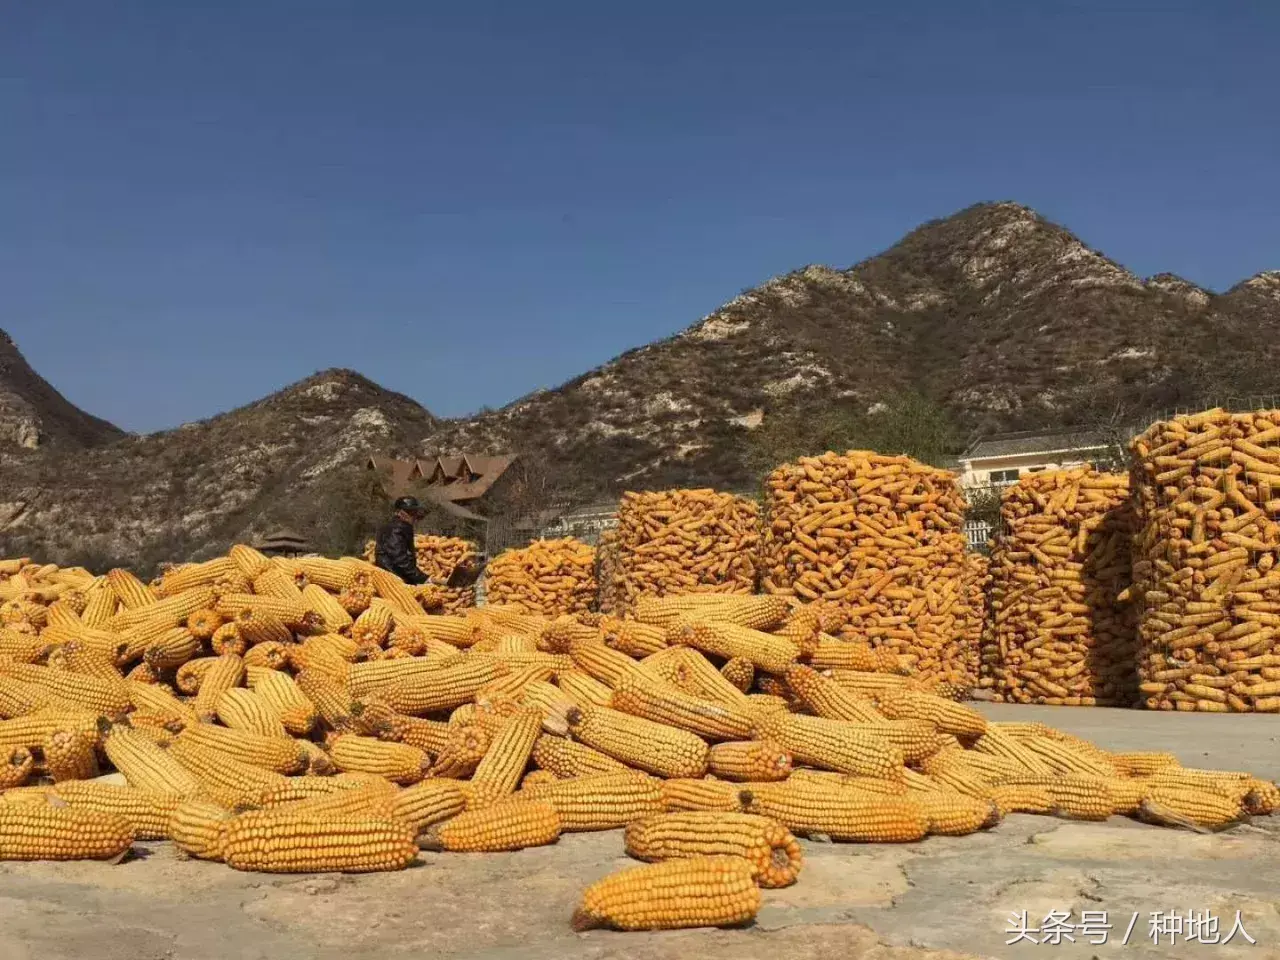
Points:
(486, 469)
(283, 539)
(1036, 441)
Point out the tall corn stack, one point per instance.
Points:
(1205, 562)
(1064, 630)
(548, 577)
(342, 728)
(438, 557)
(608, 576)
(684, 541)
(880, 540)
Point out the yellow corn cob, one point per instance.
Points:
(1063, 758)
(398, 762)
(635, 639)
(16, 764)
(70, 754)
(172, 650)
(770, 848)
(1138, 764)
(949, 770)
(272, 841)
(757, 612)
(17, 699)
(954, 814)
(131, 591)
(652, 747)
(309, 788)
(566, 758)
(147, 814)
(599, 661)
(947, 715)
(828, 778)
(695, 892)
(376, 676)
(826, 698)
(643, 697)
(464, 748)
(250, 562)
(381, 721)
(191, 575)
(196, 828)
(691, 671)
(270, 656)
(1074, 796)
(330, 612)
(683, 793)
(997, 743)
(761, 760)
(32, 831)
(147, 766)
(1263, 798)
(142, 673)
(188, 677)
(498, 774)
(443, 689)
(601, 802)
(106, 697)
(160, 702)
(1126, 795)
(833, 745)
(740, 672)
(279, 754)
(24, 647)
(100, 605)
(262, 626)
(1190, 807)
(427, 803)
(225, 779)
(31, 729)
(324, 572)
(285, 698)
(332, 702)
(553, 702)
(584, 689)
(509, 825)
(225, 673)
(373, 625)
(370, 800)
(267, 611)
(275, 582)
(839, 812)
(832, 654)
(355, 599)
(536, 778)
(1228, 783)
(79, 657)
(872, 686)
(136, 623)
(770, 653)
(1023, 799)
(242, 709)
(512, 685)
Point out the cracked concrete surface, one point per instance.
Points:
(949, 897)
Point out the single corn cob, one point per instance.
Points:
(1126, 795)
(271, 841)
(169, 612)
(761, 760)
(279, 754)
(549, 699)
(833, 745)
(1023, 799)
(160, 702)
(275, 582)
(828, 778)
(272, 610)
(512, 686)
(249, 561)
(916, 739)
(70, 754)
(954, 814)
(31, 729)
(947, 715)
(446, 688)
(695, 892)
(635, 639)
(1190, 807)
(106, 697)
(196, 828)
(100, 604)
(373, 625)
(398, 762)
(689, 670)
(536, 778)
(131, 591)
(309, 788)
(948, 769)
(757, 612)
(32, 831)
(326, 607)
(832, 654)
(285, 698)
(16, 764)
(225, 673)
(192, 575)
(225, 779)
(770, 848)
(1139, 764)
(1263, 798)
(839, 812)
(641, 696)
(148, 814)
(207, 624)
(652, 747)
(996, 743)
(767, 652)
(242, 709)
(600, 662)
(873, 686)
(371, 800)
(1062, 758)
(143, 673)
(271, 656)
(602, 802)
(377, 675)
(509, 825)
(826, 698)
(706, 794)
(566, 758)
(1075, 797)
(740, 672)
(79, 657)
(172, 650)
(584, 689)
(262, 626)
(147, 766)
(188, 677)
(429, 802)
(463, 750)
(498, 774)
(333, 704)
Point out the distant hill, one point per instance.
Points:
(1003, 319)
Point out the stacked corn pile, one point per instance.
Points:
(257, 724)
(685, 541)
(548, 577)
(881, 537)
(1062, 632)
(607, 574)
(978, 625)
(438, 557)
(1205, 562)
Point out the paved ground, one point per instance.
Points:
(944, 898)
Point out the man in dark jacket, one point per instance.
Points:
(394, 547)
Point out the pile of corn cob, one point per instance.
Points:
(608, 576)
(1208, 494)
(548, 577)
(307, 715)
(882, 537)
(438, 557)
(674, 542)
(1063, 632)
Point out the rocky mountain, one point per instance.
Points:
(294, 457)
(999, 317)
(1006, 320)
(33, 414)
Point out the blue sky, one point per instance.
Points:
(200, 203)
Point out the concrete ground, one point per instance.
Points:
(944, 898)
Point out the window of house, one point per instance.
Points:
(1003, 476)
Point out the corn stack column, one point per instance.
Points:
(1064, 631)
(548, 577)
(1208, 496)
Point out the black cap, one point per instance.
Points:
(409, 505)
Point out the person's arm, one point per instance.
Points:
(401, 557)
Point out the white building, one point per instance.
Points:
(999, 460)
